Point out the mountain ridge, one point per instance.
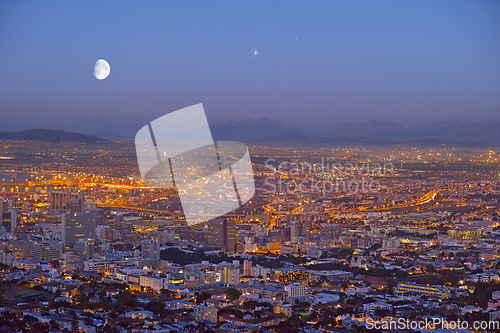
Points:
(47, 135)
(479, 132)
(482, 133)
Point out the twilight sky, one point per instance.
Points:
(316, 63)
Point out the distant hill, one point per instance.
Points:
(52, 136)
(249, 129)
(475, 132)
(465, 133)
(373, 132)
(303, 139)
(106, 128)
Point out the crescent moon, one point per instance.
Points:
(101, 69)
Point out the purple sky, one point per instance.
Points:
(317, 62)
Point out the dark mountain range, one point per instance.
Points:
(310, 140)
(52, 136)
(371, 128)
(250, 130)
(107, 128)
(480, 133)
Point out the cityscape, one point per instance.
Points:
(85, 246)
(250, 167)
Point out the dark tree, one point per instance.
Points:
(233, 294)
(156, 307)
(203, 297)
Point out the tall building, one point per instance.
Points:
(9, 220)
(4, 205)
(63, 201)
(104, 233)
(231, 275)
(247, 267)
(84, 248)
(222, 233)
(150, 249)
(13, 219)
(77, 225)
(294, 232)
(22, 248)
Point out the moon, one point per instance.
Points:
(101, 69)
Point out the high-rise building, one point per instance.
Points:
(77, 225)
(231, 275)
(247, 267)
(294, 232)
(4, 205)
(21, 248)
(150, 249)
(63, 201)
(15, 202)
(9, 220)
(84, 248)
(248, 244)
(13, 220)
(222, 233)
(105, 233)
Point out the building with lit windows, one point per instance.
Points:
(9, 220)
(77, 225)
(177, 304)
(289, 275)
(7, 257)
(231, 275)
(222, 233)
(63, 201)
(465, 234)
(22, 248)
(438, 291)
(285, 309)
(156, 283)
(150, 249)
(84, 248)
(46, 250)
(295, 290)
(202, 313)
(104, 233)
(93, 265)
(260, 272)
